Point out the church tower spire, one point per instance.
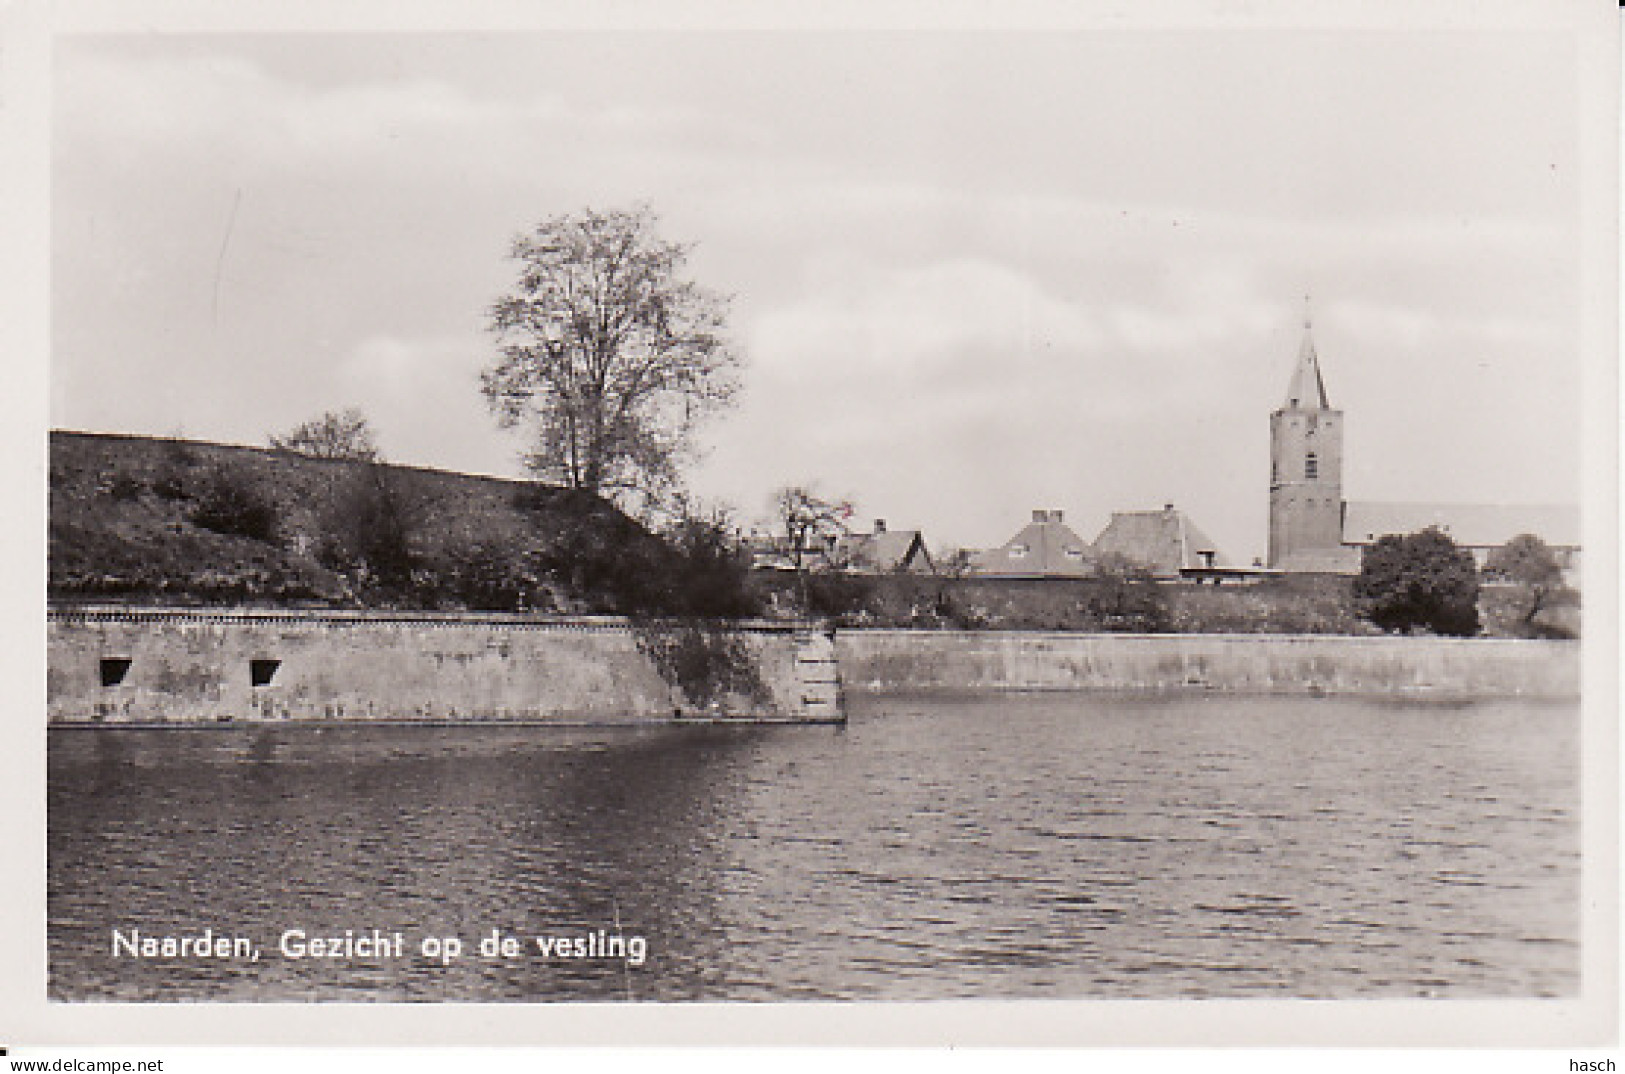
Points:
(1308, 389)
(1306, 468)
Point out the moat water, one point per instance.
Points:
(1029, 846)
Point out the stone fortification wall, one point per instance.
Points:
(1017, 660)
(172, 666)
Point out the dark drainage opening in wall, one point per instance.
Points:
(261, 672)
(114, 668)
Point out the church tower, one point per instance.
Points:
(1306, 470)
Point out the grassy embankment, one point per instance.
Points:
(175, 521)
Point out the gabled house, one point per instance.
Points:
(1044, 548)
(885, 551)
(1165, 542)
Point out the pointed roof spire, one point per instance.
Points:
(1308, 390)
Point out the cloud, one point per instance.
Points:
(422, 396)
(233, 109)
(952, 311)
(910, 324)
(1412, 328)
(914, 387)
(798, 203)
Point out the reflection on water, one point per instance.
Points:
(1032, 846)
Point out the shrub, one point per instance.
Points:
(696, 568)
(838, 595)
(491, 576)
(1123, 597)
(596, 551)
(124, 487)
(231, 505)
(171, 485)
(368, 528)
(709, 575)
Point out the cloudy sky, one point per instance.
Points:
(974, 273)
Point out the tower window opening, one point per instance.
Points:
(1311, 466)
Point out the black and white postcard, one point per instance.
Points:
(1049, 524)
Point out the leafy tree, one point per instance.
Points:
(608, 353)
(335, 435)
(1419, 581)
(1529, 563)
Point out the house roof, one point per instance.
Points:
(887, 550)
(1472, 525)
(1165, 541)
(1308, 389)
(1044, 548)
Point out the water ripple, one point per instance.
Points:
(1043, 846)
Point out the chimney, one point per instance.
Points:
(880, 525)
(1168, 507)
(1040, 515)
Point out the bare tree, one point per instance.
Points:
(608, 354)
(806, 521)
(804, 517)
(342, 434)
